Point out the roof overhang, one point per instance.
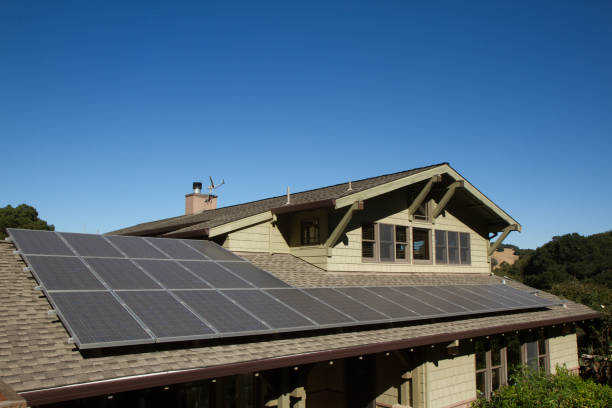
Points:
(313, 205)
(422, 176)
(84, 390)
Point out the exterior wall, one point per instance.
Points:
(263, 237)
(450, 382)
(563, 352)
(346, 256)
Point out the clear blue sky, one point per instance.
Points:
(109, 110)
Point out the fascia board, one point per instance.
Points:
(238, 224)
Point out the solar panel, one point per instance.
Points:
(489, 302)
(421, 293)
(256, 276)
(164, 315)
(409, 302)
(39, 242)
(215, 275)
(90, 245)
(309, 306)
(175, 248)
(135, 247)
(270, 311)
(456, 299)
(115, 290)
(212, 250)
(97, 319)
(223, 314)
(171, 275)
(346, 305)
(378, 303)
(121, 274)
(63, 273)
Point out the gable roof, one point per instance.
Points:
(38, 362)
(336, 195)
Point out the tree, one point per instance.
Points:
(22, 216)
(536, 389)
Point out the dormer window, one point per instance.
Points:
(310, 232)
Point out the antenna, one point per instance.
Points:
(213, 186)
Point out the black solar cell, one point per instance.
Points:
(135, 247)
(378, 303)
(215, 275)
(212, 250)
(97, 319)
(121, 274)
(409, 302)
(164, 315)
(175, 248)
(309, 306)
(268, 310)
(219, 311)
(171, 275)
(90, 245)
(346, 305)
(63, 273)
(39, 242)
(256, 276)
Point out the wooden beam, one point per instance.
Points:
(238, 224)
(337, 232)
(493, 247)
(450, 191)
(422, 195)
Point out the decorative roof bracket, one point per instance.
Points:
(337, 232)
(493, 247)
(422, 195)
(446, 198)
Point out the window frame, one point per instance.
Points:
(423, 218)
(374, 258)
(540, 356)
(313, 221)
(407, 252)
(488, 371)
(459, 248)
(429, 260)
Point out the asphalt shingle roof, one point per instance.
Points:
(35, 355)
(224, 215)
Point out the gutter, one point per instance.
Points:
(76, 391)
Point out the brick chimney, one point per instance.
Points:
(197, 202)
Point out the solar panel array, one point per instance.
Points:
(117, 290)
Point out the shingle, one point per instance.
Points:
(220, 216)
(34, 353)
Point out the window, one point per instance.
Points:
(422, 213)
(386, 243)
(401, 243)
(310, 232)
(490, 367)
(536, 354)
(453, 247)
(420, 244)
(368, 241)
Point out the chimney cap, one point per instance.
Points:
(197, 185)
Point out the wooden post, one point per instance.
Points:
(335, 235)
(493, 247)
(446, 198)
(422, 195)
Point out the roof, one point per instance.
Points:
(199, 224)
(38, 362)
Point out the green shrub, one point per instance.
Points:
(535, 389)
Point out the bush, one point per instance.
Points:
(535, 389)
(22, 216)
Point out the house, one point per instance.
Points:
(426, 229)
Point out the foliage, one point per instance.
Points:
(22, 216)
(537, 389)
(571, 257)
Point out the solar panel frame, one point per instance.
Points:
(67, 305)
(269, 310)
(45, 270)
(135, 247)
(90, 245)
(292, 309)
(212, 250)
(256, 276)
(317, 311)
(171, 274)
(167, 309)
(176, 249)
(122, 274)
(31, 242)
(205, 301)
